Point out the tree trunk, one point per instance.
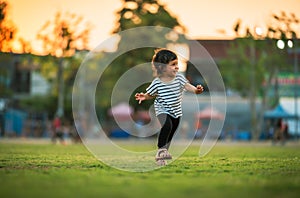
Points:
(60, 76)
(254, 130)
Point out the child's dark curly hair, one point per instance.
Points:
(161, 58)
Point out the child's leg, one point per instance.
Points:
(168, 129)
(175, 124)
(166, 126)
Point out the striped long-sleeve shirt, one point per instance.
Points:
(168, 95)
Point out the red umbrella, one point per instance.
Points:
(121, 111)
(210, 113)
(143, 115)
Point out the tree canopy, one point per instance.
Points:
(62, 36)
(136, 13)
(7, 29)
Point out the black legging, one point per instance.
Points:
(168, 129)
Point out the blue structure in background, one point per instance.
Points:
(277, 113)
(19, 123)
(14, 121)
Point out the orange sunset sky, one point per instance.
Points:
(202, 18)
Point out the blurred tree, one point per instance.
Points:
(255, 58)
(25, 46)
(7, 29)
(136, 13)
(8, 33)
(6, 60)
(62, 37)
(39, 104)
(280, 27)
(133, 14)
(283, 26)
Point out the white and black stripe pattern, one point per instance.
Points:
(168, 95)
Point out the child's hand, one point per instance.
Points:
(140, 97)
(199, 89)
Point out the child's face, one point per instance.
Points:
(171, 69)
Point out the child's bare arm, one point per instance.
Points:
(191, 88)
(143, 96)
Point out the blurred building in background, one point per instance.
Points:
(18, 80)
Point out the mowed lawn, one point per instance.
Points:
(230, 170)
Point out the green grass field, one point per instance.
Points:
(229, 170)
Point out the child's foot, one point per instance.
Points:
(161, 162)
(163, 154)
